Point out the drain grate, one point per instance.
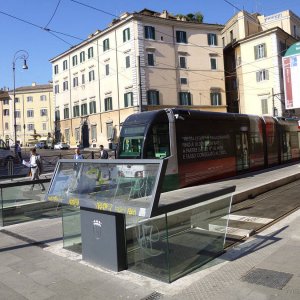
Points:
(153, 296)
(269, 278)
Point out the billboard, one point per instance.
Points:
(291, 76)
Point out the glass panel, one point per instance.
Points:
(71, 228)
(169, 246)
(128, 187)
(196, 235)
(20, 203)
(147, 247)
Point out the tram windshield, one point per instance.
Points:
(131, 142)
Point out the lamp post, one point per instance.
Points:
(21, 54)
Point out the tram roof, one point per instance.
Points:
(148, 116)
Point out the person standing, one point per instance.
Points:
(35, 167)
(103, 153)
(19, 150)
(77, 154)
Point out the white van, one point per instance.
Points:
(5, 153)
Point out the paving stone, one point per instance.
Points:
(25, 286)
(66, 288)
(45, 277)
(7, 293)
(7, 259)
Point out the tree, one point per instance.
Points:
(196, 17)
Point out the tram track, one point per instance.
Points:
(274, 205)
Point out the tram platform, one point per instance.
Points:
(33, 264)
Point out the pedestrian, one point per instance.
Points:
(103, 153)
(19, 150)
(35, 167)
(77, 154)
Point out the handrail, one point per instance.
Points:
(25, 182)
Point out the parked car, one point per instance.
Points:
(62, 146)
(6, 153)
(40, 145)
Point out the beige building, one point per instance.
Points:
(253, 48)
(34, 112)
(142, 61)
(4, 118)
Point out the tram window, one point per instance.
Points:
(256, 143)
(158, 142)
(294, 140)
(131, 146)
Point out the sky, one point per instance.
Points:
(71, 18)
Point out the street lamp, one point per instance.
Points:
(21, 54)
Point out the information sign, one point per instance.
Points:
(130, 187)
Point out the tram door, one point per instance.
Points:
(242, 151)
(286, 154)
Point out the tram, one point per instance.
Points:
(206, 146)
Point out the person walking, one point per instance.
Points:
(35, 167)
(103, 153)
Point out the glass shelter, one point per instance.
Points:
(117, 217)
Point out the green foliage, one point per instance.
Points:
(192, 17)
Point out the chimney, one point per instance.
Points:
(164, 14)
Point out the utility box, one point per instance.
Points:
(103, 239)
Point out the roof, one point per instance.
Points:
(265, 32)
(33, 88)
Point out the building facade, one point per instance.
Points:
(142, 61)
(253, 48)
(34, 114)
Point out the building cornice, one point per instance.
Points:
(136, 16)
(264, 33)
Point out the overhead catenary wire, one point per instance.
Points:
(55, 32)
(53, 14)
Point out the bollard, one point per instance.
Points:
(10, 167)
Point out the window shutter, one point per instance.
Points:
(153, 32)
(216, 40)
(184, 37)
(256, 52)
(265, 49)
(257, 76)
(124, 35)
(211, 98)
(157, 97)
(146, 32)
(208, 39)
(178, 36)
(189, 99)
(125, 100)
(267, 74)
(180, 98)
(128, 30)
